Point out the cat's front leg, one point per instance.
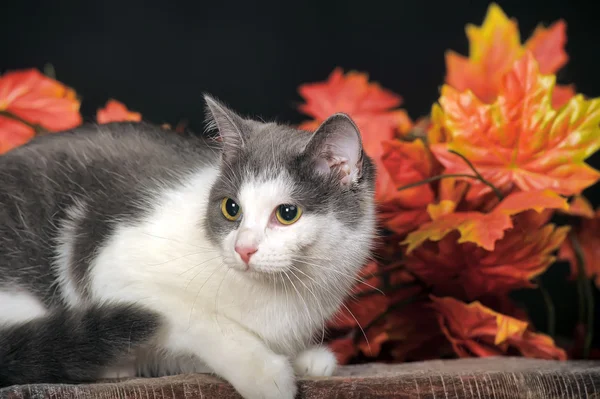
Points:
(316, 361)
(239, 357)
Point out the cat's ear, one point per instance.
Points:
(336, 147)
(229, 125)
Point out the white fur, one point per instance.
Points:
(63, 256)
(315, 362)
(19, 307)
(248, 326)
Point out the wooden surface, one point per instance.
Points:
(464, 378)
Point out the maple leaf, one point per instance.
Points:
(521, 139)
(404, 330)
(372, 108)
(344, 349)
(548, 47)
(495, 46)
(588, 235)
(360, 313)
(368, 308)
(115, 111)
(577, 349)
(483, 229)
(470, 272)
(475, 330)
(403, 163)
(13, 134)
(39, 100)
(580, 206)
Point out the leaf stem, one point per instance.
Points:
(478, 175)
(550, 311)
(435, 178)
(37, 128)
(586, 292)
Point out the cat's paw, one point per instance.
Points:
(267, 378)
(316, 361)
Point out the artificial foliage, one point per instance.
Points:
(466, 195)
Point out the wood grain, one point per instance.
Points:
(448, 379)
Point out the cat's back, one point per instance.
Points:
(96, 158)
(106, 171)
(116, 145)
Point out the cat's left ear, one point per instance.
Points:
(229, 124)
(336, 147)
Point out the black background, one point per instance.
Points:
(158, 57)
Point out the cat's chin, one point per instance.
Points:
(259, 273)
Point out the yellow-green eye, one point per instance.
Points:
(230, 209)
(288, 214)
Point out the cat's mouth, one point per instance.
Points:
(261, 271)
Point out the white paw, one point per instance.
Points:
(317, 361)
(267, 378)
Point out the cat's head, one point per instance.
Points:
(290, 201)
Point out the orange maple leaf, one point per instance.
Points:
(470, 272)
(495, 46)
(115, 111)
(39, 100)
(521, 139)
(475, 330)
(483, 229)
(13, 134)
(368, 104)
(588, 235)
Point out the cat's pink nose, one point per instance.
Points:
(246, 253)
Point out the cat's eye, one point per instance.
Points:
(230, 209)
(288, 214)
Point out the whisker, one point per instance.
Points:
(178, 241)
(355, 278)
(177, 258)
(359, 326)
(316, 300)
(298, 292)
(195, 266)
(217, 297)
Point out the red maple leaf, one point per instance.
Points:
(403, 163)
(39, 100)
(470, 272)
(371, 107)
(115, 111)
(13, 134)
(404, 330)
(363, 311)
(588, 236)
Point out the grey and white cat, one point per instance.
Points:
(129, 250)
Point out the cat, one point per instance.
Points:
(129, 250)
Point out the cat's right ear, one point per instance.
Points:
(336, 147)
(229, 125)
